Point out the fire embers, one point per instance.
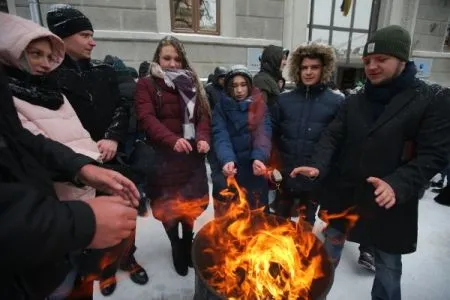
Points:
(250, 255)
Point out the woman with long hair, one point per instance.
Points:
(173, 111)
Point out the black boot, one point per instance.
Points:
(187, 244)
(178, 253)
(108, 285)
(137, 273)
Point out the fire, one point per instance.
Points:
(348, 215)
(180, 209)
(257, 256)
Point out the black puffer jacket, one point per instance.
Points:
(300, 116)
(298, 119)
(93, 92)
(267, 78)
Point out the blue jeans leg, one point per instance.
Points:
(386, 285)
(333, 244)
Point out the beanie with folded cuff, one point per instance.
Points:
(392, 40)
(64, 20)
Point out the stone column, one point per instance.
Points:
(228, 18)
(163, 16)
(11, 6)
(295, 23)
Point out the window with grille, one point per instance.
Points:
(346, 33)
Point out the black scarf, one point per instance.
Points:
(35, 89)
(381, 95)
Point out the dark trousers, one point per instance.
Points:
(99, 265)
(388, 267)
(285, 202)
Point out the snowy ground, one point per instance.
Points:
(426, 273)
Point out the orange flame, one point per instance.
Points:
(257, 256)
(172, 209)
(347, 215)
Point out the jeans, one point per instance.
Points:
(388, 267)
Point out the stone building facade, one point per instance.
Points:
(131, 29)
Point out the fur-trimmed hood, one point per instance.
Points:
(325, 51)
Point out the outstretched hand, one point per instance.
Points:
(384, 193)
(309, 172)
(110, 182)
(229, 169)
(259, 168)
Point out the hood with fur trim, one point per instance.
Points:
(313, 49)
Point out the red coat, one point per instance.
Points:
(176, 172)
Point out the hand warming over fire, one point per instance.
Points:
(108, 149)
(259, 168)
(114, 221)
(229, 169)
(202, 147)
(110, 182)
(310, 172)
(385, 195)
(182, 145)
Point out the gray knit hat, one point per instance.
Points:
(392, 40)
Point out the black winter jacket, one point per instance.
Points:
(405, 146)
(37, 231)
(298, 119)
(267, 78)
(214, 92)
(93, 92)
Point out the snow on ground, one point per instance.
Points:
(426, 273)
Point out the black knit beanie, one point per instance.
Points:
(64, 20)
(391, 40)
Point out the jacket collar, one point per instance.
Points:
(312, 89)
(78, 65)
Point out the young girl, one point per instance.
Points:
(242, 135)
(172, 109)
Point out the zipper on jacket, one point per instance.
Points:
(306, 116)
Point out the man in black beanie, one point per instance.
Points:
(390, 138)
(93, 92)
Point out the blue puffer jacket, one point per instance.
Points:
(298, 119)
(242, 133)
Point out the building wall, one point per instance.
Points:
(132, 15)
(131, 29)
(433, 17)
(440, 66)
(440, 71)
(260, 19)
(204, 57)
